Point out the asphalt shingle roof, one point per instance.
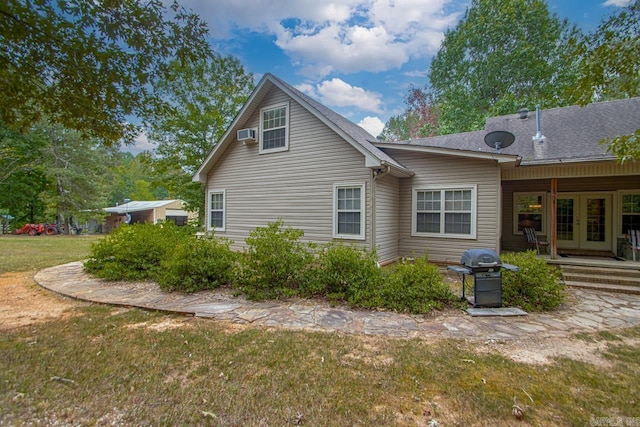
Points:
(572, 133)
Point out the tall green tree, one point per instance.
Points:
(77, 171)
(204, 98)
(90, 65)
(502, 55)
(22, 175)
(609, 68)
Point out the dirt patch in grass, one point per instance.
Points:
(162, 325)
(545, 351)
(24, 303)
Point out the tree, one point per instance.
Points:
(22, 175)
(204, 98)
(609, 68)
(135, 178)
(77, 172)
(502, 55)
(420, 119)
(90, 65)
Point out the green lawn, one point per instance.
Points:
(26, 253)
(116, 366)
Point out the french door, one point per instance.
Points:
(584, 221)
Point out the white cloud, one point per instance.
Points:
(338, 93)
(340, 36)
(373, 125)
(140, 144)
(619, 3)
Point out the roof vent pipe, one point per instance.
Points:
(539, 137)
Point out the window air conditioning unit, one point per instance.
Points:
(247, 135)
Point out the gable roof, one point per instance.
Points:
(139, 206)
(572, 134)
(355, 135)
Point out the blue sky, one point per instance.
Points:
(358, 57)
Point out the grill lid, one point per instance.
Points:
(480, 258)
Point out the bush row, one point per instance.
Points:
(277, 264)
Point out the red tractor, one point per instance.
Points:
(38, 229)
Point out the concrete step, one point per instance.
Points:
(578, 269)
(604, 287)
(602, 278)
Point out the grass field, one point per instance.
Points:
(101, 365)
(26, 253)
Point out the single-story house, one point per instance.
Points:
(287, 156)
(148, 211)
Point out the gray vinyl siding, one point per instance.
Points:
(387, 200)
(296, 185)
(431, 169)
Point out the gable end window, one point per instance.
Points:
(444, 212)
(348, 211)
(274, 126)
(217, 205)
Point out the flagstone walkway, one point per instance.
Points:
(584, 311)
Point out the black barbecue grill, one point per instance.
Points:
(486, 267)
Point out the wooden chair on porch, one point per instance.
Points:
(634, 242)
(531, 240)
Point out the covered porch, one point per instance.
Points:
(582, 210)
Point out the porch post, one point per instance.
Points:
(553, 241)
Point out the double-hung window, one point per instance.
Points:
(630, 212)
(444, 212)
(274, 125)
(349, 213)
(217, 210)
(528, 212)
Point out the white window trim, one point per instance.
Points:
(618, 217)
(363, 216)
(224, 210)
(545, 210)
(474, 210)
(286, 131)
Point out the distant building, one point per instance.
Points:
(148, 211)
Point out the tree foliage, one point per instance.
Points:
(502, 55)
(22, 174)
(89, 65)
(609, 68)
(53, 174)
(203, 99)
(77, 171)
(420, 119)
(135, 178)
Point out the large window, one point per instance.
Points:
(444, 212)
(528, 211)
(630, 212)
(217, 210)
(274, 127)
(348, 221)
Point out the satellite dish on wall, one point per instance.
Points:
(499, 139)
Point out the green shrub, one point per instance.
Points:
(536, 287)
(416, 288)
(134, 252)
(276, 262)
(198, 264)
(348, 273)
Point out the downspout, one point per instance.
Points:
(377, 173)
